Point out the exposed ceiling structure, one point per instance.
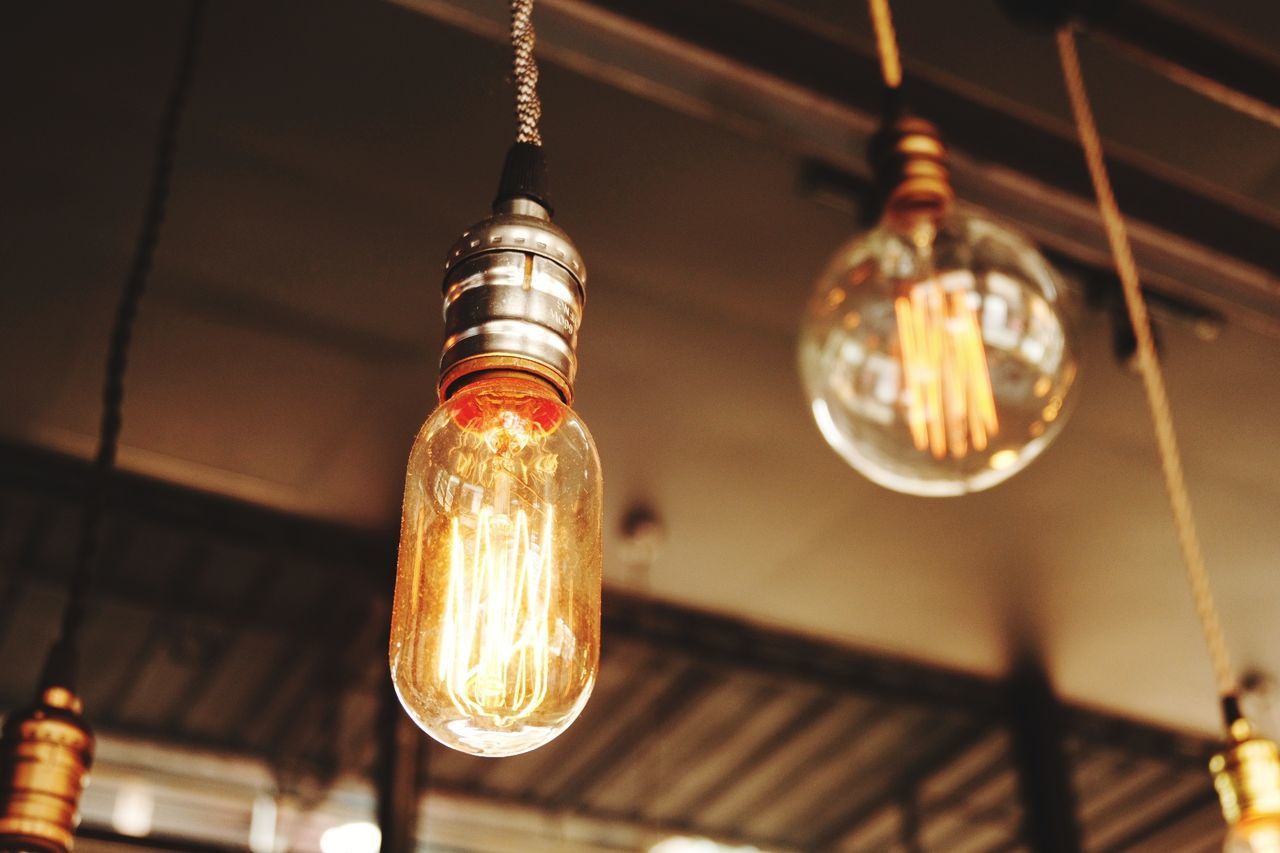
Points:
(286, 355)
(252, 650)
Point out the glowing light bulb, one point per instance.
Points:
(495, 631)
(935, 352)
(1254, 837)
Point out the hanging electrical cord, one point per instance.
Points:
(62, 660)
(46, 750)
(1246, 773)
(525, 69)
(886, 43)
(1148, 367)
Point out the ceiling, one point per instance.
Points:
(285, 353)
(236, 657)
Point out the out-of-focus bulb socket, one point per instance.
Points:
(1247, 776)
(909, 161)
(514, 292)
(45, 755)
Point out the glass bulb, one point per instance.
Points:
(936, 355)
(495, 629)
(1261, 835)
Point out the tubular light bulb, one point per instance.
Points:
(1254, 838)
(495, 631)
(935, 352)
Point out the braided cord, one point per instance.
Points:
(525, 67)
(118, 349)
(1148, 365)
(886, 43)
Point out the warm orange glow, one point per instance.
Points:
(497, 637)
(946, 382)
(496, 622)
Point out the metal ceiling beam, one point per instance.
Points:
(1215, 63)
(401, 763)
(740, 65)
(1044, 775)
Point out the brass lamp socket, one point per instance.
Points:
(514, 292)
(1247, 777)
(909, 162)
(45, 755)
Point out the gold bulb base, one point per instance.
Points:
(1247, 777)
(45, 754)
(909, 160)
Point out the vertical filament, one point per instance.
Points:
(947, 384)
(496, 644)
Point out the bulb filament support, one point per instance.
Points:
(946, 381)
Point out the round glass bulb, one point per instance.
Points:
(936, 354)
(1261, 835)
(495, 629)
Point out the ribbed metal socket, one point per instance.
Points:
(1247, 776)
(909, 161)
(514, 291)
(45, 755)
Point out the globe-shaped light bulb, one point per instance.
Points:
(495, 629)
(936, 354)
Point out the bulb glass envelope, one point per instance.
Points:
(936, 354)
(495, 630)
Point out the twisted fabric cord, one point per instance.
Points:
(525, 66)
(122, 333)
(1149, 367)
(886, 43)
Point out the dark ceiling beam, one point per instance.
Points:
(1038, 733)
(743, 66)
(1215, 64)
(679, 633)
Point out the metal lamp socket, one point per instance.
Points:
(46, 754)
(514, 292)
(1247, 777)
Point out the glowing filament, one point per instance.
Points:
(497, 628)
(946, 382)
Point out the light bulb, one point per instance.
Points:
(496, 624)
(1257, 837)
(935, 352)
(495, 628)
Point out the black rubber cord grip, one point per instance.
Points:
(524, 175)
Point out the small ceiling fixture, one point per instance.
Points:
(935, 351)
(1247, 772)
(47, 748)
(495, 629)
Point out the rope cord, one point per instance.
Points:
(886, 43)
(118, 349)
(525, 67)
(1148, 365)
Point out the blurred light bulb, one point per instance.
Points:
(496, 623)
(935, 353)
(1257, 837)
(358, 837)
(134, 807)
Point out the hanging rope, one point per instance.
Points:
(525, 66)
(62, 663)
(886, 43)
(1148, 366)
